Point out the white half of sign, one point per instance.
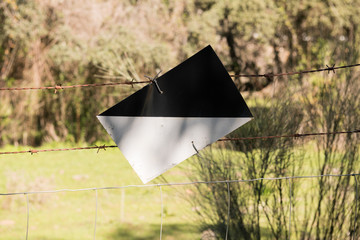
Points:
(152, 145)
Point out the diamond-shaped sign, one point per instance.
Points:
(199, 104)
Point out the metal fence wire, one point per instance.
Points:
(162, 185)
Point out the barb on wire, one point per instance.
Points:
(332, 68)
(101, 147)
(269, 75)
(153, 80)
(32, 151)
(296, 135)
(132, 82)
(59, 87)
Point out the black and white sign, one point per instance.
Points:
(199, 104)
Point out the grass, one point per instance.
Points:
(131, 213)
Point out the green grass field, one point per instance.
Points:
(131, 213)
(128, 213)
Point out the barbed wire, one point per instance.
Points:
(296, 135)
(270, 75)
(32, 151)
(104, 147)
(133, 82)
(60, 87)
(160, 185)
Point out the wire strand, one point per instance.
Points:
(103, 147)
(267, 75)
(290, 192)
(356, 207)
(228, 212)
(162, 212)
(295, 135)
(179, 184)
(27, 215)
(96, 210)
(33, 151)
(60, 87)
(333, 68)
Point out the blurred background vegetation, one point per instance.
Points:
(67, 42)
(48, 43)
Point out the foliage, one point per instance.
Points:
(325, 209)
(46, 43)
(333, 105)
(255, 159)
